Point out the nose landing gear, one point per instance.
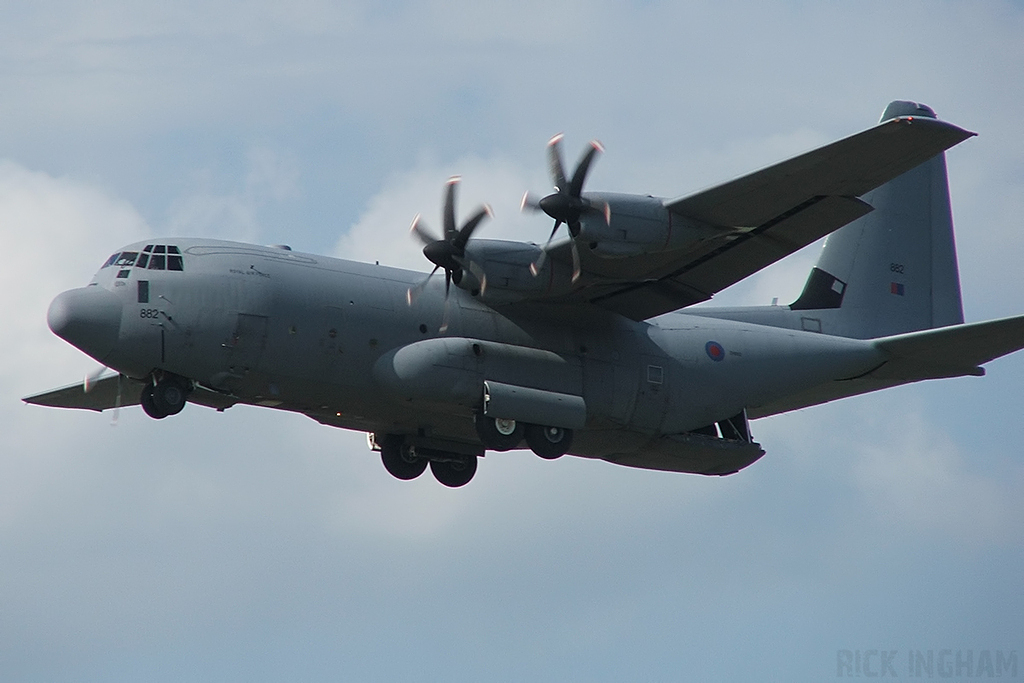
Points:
(165, 397)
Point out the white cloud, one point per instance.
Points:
(207, 211)
(57, 233)
(382, 232)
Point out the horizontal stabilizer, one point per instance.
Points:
(949, 351)
(954, 351)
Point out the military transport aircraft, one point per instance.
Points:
(586, 345)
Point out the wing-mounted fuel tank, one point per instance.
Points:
(635, 225)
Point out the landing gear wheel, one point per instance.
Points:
(498, 434)
(169, 395)
(548, 442)
(400, 460)
(454, 473)
(148, 405)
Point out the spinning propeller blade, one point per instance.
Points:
(449, 252)
(567, 204)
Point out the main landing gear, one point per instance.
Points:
(407, 462)
(498, 434)
(165, 396)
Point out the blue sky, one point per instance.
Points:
(252, 545)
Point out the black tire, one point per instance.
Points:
(498, 435)
(548, 442)
(456, 472)
(400, 460)
(169, 395)
(148, 405)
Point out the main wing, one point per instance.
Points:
(105, 393)
(761, 217)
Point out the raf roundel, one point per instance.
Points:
(715, 351)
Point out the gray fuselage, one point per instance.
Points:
(338, 341)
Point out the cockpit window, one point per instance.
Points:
(153, 257)
(127, 258)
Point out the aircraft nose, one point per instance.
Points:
(89, 318)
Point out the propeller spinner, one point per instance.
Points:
(449, 252)
(566, 205)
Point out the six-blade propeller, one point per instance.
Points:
(567, 204)
(449, 252)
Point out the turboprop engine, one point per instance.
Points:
(635, 225)
(609, 225)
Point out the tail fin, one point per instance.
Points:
(895, 269)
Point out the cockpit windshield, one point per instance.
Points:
(153, 257)
(126, 258)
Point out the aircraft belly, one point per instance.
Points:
(689, 453)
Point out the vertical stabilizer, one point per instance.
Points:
(895, 269)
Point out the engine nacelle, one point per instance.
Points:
(507, 267)
(638, 225)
